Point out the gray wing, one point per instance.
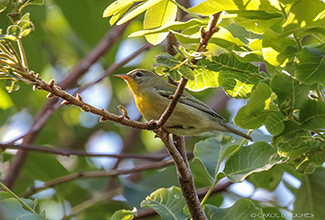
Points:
(187, 99)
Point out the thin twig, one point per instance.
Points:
(71, 152)
(40, 120)
(80, 175)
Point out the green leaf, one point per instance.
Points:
(257, 157)
(313, 115)
(186, 72)
(241, 33)
(257, 25)
(26, 26)
(13, 32)
(204, 77)
(237, 78)
(305, 167)
(291, 93)
(306, 14)
(200, 174)
(124, 214)
(117, 6)
(310, 195)
(249, 121)
(156, 16)
(211, 153)
(268, 179)
(210, 7)
(3, 5)
(175, 26)
(290, 139)
(5, 100)
(310, 66)
(120, 13)
(11, 208)
(166, 59)
(258, 99)
(36, 2)
(138, 10)
(274, 122)
(168, 203)
(243, 209)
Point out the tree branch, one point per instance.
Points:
(39, 121)
(178, 151)
(185, 178)
(80, 175)
(71, 152)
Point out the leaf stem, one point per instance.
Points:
(209, 191)
(22, 54)
(298, 41)
(16, 197)
(317, 132)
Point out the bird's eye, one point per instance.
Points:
(139, 74)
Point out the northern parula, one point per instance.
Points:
(190, 117)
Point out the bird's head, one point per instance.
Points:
(141, 79)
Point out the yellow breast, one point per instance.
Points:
(149, 108)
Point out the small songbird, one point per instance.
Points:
(190, 117)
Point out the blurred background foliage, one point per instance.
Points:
(65, 32)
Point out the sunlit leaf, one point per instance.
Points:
(124, 214)
(237, 78)
(210, 7)
(5, 100)
(258, 99)
(138, 10)
(242, 34)
(204, 78)
(257, 157)
(175, 26)
(156, 16)
(117, 6)
(119, 14)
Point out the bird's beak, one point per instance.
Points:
(123, 76)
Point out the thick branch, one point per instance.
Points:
(185, 179)
(80, 175)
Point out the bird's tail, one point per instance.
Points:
(231, 129)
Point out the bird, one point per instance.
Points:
(190, 117)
